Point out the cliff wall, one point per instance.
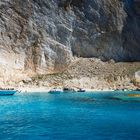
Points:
(42, 36)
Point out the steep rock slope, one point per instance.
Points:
(41, 36)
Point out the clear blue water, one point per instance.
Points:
(69, 116)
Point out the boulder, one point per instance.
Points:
(137, 76)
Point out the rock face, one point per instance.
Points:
(137, 76)
(42, 36)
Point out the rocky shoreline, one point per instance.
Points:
(87, 73)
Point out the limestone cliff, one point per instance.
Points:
(42, 36)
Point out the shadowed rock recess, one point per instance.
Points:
(42, 36)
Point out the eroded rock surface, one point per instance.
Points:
(42, 36)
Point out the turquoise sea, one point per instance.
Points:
(70, 116)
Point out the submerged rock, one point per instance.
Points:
(134, 95)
